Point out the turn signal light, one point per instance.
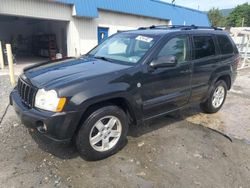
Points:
(61, 104)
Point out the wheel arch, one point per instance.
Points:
(215, 77)
(227, 79)
(121, 102)
(222, 73)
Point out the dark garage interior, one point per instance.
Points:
(34, 40)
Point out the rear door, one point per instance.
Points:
(206, 59)
(168, 88)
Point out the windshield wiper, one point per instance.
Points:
(103, 58)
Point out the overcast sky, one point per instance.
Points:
(207, 4)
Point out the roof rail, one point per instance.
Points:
(181, 27)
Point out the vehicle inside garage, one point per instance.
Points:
(34, 40)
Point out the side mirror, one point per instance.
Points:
(164, 61)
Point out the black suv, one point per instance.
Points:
(131, 77)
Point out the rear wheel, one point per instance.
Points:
(103, 133)
(216, 98)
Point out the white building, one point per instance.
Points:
(73, 27)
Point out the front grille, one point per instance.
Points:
(27, 92)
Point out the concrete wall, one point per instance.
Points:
(83, 31)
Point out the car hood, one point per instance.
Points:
(53, 74)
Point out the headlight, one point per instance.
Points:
(48, 100)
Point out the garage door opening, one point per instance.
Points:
(34, 40)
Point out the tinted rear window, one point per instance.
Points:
(204, 46)
(225, 44)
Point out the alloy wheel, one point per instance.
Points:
(218, 97)
(105, 133)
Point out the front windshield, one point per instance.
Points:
(128, 48)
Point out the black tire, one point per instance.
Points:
(208, 106)
(83, 136)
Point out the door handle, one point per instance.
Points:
(185, 71)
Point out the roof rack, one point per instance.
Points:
(181, 27)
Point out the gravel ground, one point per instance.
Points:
(180, 150)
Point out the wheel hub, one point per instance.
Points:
(218, 97)
(105, 133)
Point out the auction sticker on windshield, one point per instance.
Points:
(143, 38)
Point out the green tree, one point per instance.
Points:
(240, 16)
(216, 17)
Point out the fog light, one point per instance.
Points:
(43, 128)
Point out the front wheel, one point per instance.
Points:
(216, 98)
(103, 133)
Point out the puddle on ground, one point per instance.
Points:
(233, 119)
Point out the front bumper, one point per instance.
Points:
(60, 126)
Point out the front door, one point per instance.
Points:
(103, 34)
(168, 88)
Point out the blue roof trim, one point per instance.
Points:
(179, 6)
(149, 8)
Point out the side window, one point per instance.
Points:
(176, 47)
(225, 44)
(204, 46)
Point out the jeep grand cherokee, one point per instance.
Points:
(130, 78)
